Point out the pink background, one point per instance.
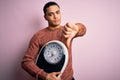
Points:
(96, 56)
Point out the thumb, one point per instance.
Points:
(68, 42)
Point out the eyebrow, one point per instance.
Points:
(54, 12)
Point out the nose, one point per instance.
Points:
(55, 16)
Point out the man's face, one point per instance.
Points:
(53, 16)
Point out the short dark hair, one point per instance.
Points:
(48, 5)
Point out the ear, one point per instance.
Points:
(45, 17)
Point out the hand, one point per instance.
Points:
(69, 31)
(53, 76)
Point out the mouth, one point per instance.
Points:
(56, 20)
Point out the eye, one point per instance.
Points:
(57, 12)
(49, 14)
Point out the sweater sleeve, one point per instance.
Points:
(28, 62)
(82, 29)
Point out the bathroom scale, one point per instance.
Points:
(53, 57)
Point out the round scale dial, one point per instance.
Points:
(53, 53)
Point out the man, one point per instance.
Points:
(54, 31)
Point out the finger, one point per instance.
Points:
(57, 73)
(73, 26)
(66, 36)
(59, 79)
(56, 78)
(68, 42)
(66, 32)
(66, 28)
(70, 25)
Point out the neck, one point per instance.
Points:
(53, 28)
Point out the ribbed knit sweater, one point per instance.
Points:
(38, 40)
